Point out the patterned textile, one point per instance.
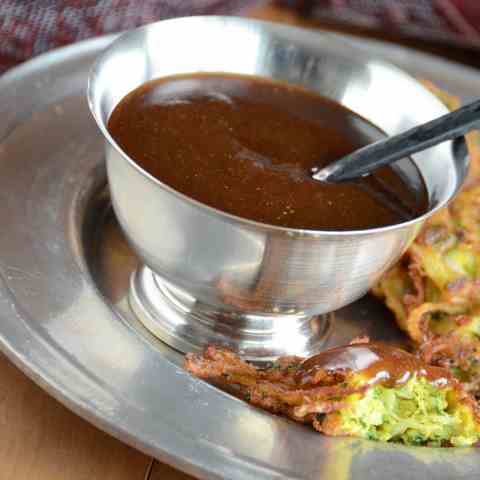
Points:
(30, 27)
(452, 21)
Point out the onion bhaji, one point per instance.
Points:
(368, 390)
(434, 291)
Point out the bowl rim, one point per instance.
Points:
(229, 217)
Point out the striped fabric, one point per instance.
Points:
(451, 21)
(30, 27)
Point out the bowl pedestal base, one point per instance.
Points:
(187, 325)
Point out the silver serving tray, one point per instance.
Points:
(64, 275)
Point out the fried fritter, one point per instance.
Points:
(367, 390)
(434, 290)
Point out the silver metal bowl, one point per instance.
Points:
(214, 277)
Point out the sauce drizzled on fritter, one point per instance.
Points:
(377, 362)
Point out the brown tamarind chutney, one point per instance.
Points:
(246, 145)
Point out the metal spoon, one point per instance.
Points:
(384, 152)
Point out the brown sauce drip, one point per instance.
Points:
(246, 146)
(380, 363)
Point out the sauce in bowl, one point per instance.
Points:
(246, 145)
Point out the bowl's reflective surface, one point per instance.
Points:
(263, 277)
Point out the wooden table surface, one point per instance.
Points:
(42, 440)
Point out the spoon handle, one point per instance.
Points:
(384, 152)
